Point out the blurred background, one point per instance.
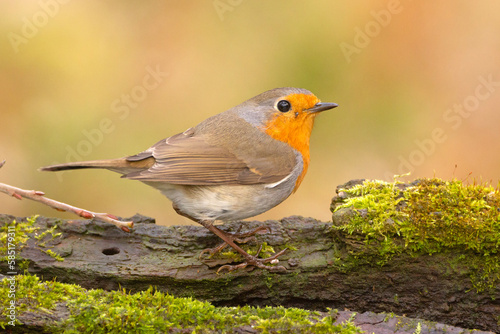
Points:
(417, 83)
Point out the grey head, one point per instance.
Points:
(261, 108)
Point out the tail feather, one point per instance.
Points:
(121, 165)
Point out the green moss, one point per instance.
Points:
(15, 235)
(389, 316)
(150, 311)
(380, 200)
(265, 252)
(53, 254)
(425, 217)
(418, 328)
(32, 295)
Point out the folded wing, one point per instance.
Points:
(187, 159)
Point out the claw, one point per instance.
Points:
(213, 251)
(230, 268)
(274, 257)
(259, 263)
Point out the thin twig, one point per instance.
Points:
(39, 196)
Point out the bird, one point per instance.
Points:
(232, 166)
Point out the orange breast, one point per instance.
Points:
(295, 130)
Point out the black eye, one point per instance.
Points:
(284, 106)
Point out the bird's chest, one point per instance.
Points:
(295, 132)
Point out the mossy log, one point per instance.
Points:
(54, 307)
(98, 255)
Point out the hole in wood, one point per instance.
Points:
(111, 251)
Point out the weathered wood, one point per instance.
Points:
(98, 255)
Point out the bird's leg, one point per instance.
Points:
(249, 259)
(238, 237)
(241, 238)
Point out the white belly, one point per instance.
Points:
(225, 202)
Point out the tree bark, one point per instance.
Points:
(98, 255)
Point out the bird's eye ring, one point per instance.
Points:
(283, 106)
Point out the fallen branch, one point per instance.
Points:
(321, 272)
(39, 196)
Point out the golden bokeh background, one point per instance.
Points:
(417, 83)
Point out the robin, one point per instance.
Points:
(232, 166)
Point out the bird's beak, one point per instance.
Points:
(322, 106)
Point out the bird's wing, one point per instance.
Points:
(188, 159)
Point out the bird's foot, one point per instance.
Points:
(257, 262)
(249, 260)
(241, 238)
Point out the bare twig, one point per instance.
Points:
(39, 197)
